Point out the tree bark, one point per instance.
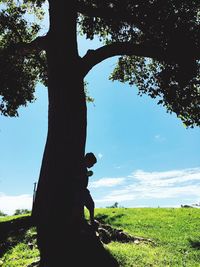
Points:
(65, 146)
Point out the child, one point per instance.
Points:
(89, 161)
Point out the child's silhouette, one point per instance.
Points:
(89, 161)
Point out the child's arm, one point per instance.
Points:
(89, 173)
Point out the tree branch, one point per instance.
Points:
(109, 13)
(23, 48)
(93, 57)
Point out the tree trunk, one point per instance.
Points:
(57, 218)
(65, 146)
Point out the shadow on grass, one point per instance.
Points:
(195, 244)
(12, 232)
(77, 250)
(107, 219)
(98, 255)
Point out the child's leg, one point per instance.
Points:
(91, 210)
(89, 203)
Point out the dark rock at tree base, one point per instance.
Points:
(108, 234)
(104, 235)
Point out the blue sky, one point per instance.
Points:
(146, 157)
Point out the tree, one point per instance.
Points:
(115, 205)
(21, 211)
(2, 214)
(158, 44)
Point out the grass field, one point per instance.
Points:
(175, 233)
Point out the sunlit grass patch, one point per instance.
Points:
(19, 256)
(9, 218)
(175, 232)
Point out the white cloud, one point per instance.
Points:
(167, 178)
(115, 198)
(159, 138)
(107, 182)
(140, 185)
(8, 204)
(180, 185)
(100, 156)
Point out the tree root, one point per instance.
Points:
(108, 234)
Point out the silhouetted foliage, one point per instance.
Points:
(2, 214)
(115, 205)
(170, 74)
(21, 211)
(162, 62)
(19, 71)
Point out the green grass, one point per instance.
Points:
(25, 252)
(9, 218)
(19, 256)
(175, 233)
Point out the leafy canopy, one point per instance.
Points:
(169, 28)
(19, 71)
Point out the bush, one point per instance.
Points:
(2, 213)
(115, 205)
(21, 211)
